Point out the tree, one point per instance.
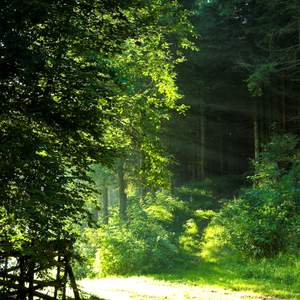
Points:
(61, 93)
(242, 85)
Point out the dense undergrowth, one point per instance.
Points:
(198, 236)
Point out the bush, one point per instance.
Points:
(119, 252)
(264, 220)
(145, 244)
(138, 248)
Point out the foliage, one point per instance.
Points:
(189, 239)
(202, 199)
(12, 231)
(267, 48)
(135, 250)
(258, 80)
(264, 220)
(68, 71)
(85, 250)
(148, 242)
(213, 244)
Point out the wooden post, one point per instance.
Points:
(72, 281)
(21, 289)
(57, 278)
(5, 273)
(31, 279)
(65, 277)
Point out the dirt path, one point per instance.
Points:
(145, 288)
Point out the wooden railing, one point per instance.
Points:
(29, 276)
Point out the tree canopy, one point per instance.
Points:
(76, 78)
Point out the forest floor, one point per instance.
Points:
(147, 288)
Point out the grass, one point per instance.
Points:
(279, 277)
(223, 268)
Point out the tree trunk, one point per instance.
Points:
(221, 144)
(122, 192)
(197, 160)
(202, 142)
(256, 131)
(283, 104)
(105, 204)
(142, 186)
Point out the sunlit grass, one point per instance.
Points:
(274, 277)
(220, 267)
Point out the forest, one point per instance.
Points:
(149, 149)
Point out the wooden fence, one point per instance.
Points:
(37, 276)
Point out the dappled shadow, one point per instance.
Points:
(232, 277)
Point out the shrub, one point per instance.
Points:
(146, 243)
(142, 246)
(264, 220)
(119, 252)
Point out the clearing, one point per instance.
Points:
(146, 288)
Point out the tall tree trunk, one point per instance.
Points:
(105, 204)
(221, 152)
(122, 192)
(202, 142)
(271, 114)
(256, 131)
(283, 104)
(298, 32)
(142, 188)
(264, 119)
(197, 154)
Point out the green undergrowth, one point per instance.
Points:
(220, 266)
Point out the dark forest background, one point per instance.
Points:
(242, 86)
